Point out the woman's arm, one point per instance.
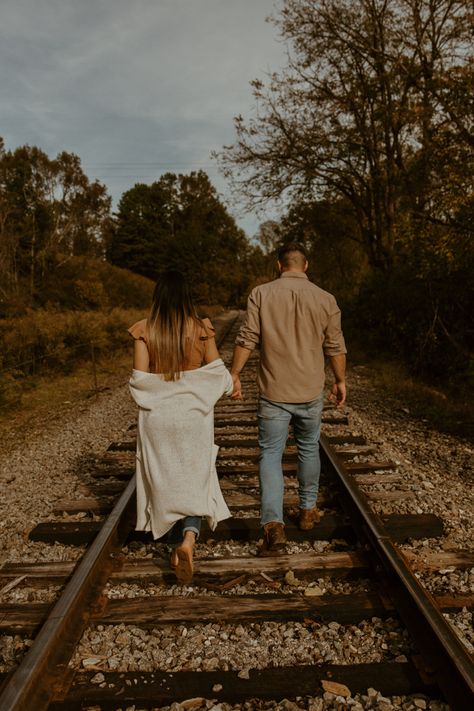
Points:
(141, 359)
(210, 350)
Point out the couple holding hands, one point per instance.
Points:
(178, 377)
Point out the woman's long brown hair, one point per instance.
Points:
(170, 313)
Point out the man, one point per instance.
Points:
(295, 324)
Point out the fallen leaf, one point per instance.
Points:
(236, 581)
(334, 688)
(290, 578)
(275, 584)
(192, 703)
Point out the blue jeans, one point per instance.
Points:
(273, 421)
(188, 523)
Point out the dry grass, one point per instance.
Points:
(45, 399)
(444, 409)
(42, 399)
(66, 373)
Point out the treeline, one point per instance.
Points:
(73, 275)
(57, 234)
(49, 213)
(369, 133)
(180, 222)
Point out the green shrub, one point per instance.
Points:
(10, 389)
(422, 321)
(44, 342)
(84, 283)
(91, 293)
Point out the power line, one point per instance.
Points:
(148, 163)
(128, 177)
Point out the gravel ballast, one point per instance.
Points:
(436, 467)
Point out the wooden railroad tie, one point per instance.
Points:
(400, 527)
(152, 611)
(162, 688)
(308, 566)
(235, 499)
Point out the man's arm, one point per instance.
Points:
(241, 356)
(247, 339)
(338, 390)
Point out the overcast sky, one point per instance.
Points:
(134, 87)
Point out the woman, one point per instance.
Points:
(177, 378)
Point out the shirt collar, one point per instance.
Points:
(297, 275)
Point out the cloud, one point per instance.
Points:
(131, 81)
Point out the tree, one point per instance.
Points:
(180, 222)
(26, 220)
(49, 211)
(371, 126)
(337, 261)
(81, 209)
(361, 113)
(144, 226)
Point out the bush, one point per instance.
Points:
(48, 342)
(84, 283)
(81, 283)
(421, 320)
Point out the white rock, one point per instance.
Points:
(98, 678)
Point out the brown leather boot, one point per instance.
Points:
(274, 539)
(308, 517)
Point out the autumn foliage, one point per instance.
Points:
(366, 138)
(368, 134)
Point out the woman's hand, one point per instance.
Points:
(237, 391)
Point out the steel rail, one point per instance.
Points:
(42, 675)
(445, 657)
(36, 680)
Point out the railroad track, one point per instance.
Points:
(363, 544)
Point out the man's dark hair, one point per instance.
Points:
(287, 256)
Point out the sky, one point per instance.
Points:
(135, 88)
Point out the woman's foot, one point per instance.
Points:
(184, 558)
(173, 559)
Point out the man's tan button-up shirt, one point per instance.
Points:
(296, 324)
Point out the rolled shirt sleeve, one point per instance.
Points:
(334, 343)
(249, 334)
